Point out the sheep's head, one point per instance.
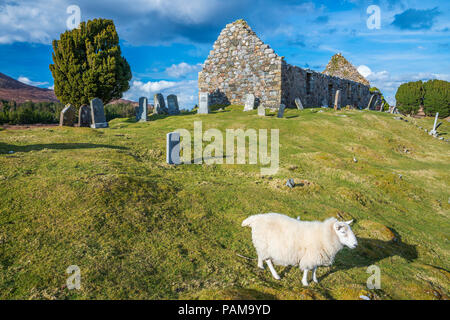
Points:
(345, 234)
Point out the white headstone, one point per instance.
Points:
(337, 100)
(298, 103)
(249, 102)
(261, 110)
(203, 103)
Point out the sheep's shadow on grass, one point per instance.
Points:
(371, 251)
(5, 148)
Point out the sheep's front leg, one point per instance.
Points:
(260, 263)
(272, 269)
(314, 275)
(305, 278)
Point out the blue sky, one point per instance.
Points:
(165, 42)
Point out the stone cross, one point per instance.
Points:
(173, 148)
(337, 100)
(261, 110)
(159, 104)
(172, 104)
(98, 114)
(281, 111)
(84, 116)
(203, 103)
(370, 102)
(435, 123)
(298, 103)
(141, 114)
(67, 116)
(249, 102)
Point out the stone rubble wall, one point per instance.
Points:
(241, 63)
(322, 89)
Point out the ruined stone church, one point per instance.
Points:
(240, 63)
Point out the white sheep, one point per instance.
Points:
(308, 244)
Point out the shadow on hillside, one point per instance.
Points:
(6, 148)
(371, 251)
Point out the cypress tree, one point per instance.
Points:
(437, 98)
(88, 63)
(409, 97)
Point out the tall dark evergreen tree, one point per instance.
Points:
(88, 63)
(409, 97)
(437, 98)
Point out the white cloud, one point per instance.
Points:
(31, 83)
(364, 70)
(182, 69)
(186, 91)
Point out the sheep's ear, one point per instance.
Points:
(338, 226)
(349, 221)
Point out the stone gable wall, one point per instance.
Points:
(241, 63)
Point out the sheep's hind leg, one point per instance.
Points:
(272, 269)
(260, 263)
(314, 275)
(305, 278)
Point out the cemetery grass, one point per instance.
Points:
(137, 228)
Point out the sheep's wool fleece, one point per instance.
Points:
(287, 241)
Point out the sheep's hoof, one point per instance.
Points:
(305, 283)
(277, 278)
(315, 280)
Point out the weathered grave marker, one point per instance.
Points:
(141, 114)
(261, 110)
(370, 102)
(203, 104)
(249, 102)
(67, 116)
(432, 132)
(159, 104)
(84, 116)
(337, 100)
(173, 148)
(172, 104)
(298, 103)
(281, 111)
(98, 114)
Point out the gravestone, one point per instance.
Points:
(369, 106)
(203, 103)
(298, 103)
(84, 116)
(434, 125)
(337, 100)
(281, 111)
(141, 111)
(172, 103)
(98, 119)
(249, 102)
(173, 148)
(67, 116)
(261, 110)
(159, 104)
(324, 103)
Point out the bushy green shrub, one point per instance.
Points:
(409, 97)
(436, 98)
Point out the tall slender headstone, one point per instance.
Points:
(203, 103)
(172, 104)
(434, 125)
(67, 116)
(298, 103)
(98, 114)
(369, 106)
(141, 114)
(159, 104)
(173, 148)
(249, 102)
(281, 111)
(261, 110)
(84, 116)
(337, 100)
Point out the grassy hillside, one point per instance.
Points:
(138, 228)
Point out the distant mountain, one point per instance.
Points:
(13, 90)
(125, 102)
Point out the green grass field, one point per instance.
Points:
(106, 201)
